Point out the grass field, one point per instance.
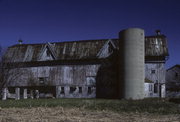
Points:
(89, 110)
(155, 106)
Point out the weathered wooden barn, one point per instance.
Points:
(79, 69)
(173, 81)
(156, 55)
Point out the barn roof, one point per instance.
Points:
(77, 50)
(73, 50)
(156, 46)
(177, 65)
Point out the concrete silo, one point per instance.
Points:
(131, 67)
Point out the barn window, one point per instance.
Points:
(80, 89)
(90, 80)
(72, 89)
(62, 90)
(89, 90)
(176, 75)
(41, 80)
(48, 53)
(150, 87)
(153, 71)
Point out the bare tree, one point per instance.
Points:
(8, 70)
(1, 72)
(2, 69)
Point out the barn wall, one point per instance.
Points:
(148, 89)
(99, 78)
(173, 82)
(156, 73)
(173, 75)
(70, 80)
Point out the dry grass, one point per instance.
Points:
(155, 106)
(88, 110)
(60, 114)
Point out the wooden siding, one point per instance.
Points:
(55, 75)
(156, 46)
(156, 73)
(173, 74)
(173, 81)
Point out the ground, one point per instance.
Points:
(61, 114)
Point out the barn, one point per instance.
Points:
(173, 81)
(79, 69)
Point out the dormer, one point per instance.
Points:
(107, 49)
(47, 53)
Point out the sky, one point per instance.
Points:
(41, 21)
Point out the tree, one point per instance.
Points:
(9, 71)
(2, 69)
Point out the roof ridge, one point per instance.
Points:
(60, 42)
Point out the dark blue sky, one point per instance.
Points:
(37, 21)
